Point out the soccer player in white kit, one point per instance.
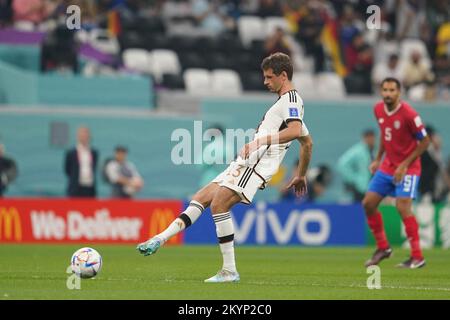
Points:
(257, 162)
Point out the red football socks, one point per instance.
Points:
(375, 222)
(412, 232)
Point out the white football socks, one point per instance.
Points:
(186, 218)
(225, 234)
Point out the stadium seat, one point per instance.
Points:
(192, 60)
(197, 81)
(157, 41)
(229, 43)
(417, 92)
(147, 25)
(137, 60)
(304, 83)
(164, 61)
(175, 9)
(251, 28)
(173, 81)
(218, 60)
(181, 44)
(272, 23)
(103, 41)
(23, 25)
(410, 45)
(226, 82)
(330, 85)
(253, 81)
(132, 39)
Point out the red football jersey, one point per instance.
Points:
(401, 130)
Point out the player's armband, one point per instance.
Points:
(421, 134)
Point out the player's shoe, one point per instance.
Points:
(224, 276)
(412, 263)
(149, 247)
(378, 256)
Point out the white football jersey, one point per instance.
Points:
(246, 176)
(288, 107)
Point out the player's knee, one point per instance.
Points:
(403, 207)
(368, 206)
(202, 199)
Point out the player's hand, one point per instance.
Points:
(299, 184)
(248, 149)
(374, 166)
(400, 173)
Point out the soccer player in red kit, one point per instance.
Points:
(403, 139)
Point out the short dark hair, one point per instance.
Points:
(368, 132)
(278, 62)
(391, 79)
(121, 148)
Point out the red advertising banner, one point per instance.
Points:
(93, 221)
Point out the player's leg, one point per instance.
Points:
(379, 187)
(374, 218)
(221, 204)
(201, 200)
(404, 207)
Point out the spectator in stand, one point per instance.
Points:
(389, 69)
(410, 19)
(359, 65)
(212, 16)
(35, 11)
(269, 8)
(80, 166)
(443, 39)
(437, 13)
(6, 12)
(310, 28)
(123, 176)
(348, 28)
(8, 170)
(277, 42)
(416, 71)
(59, 51)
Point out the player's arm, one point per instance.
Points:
(403, 167)
(299, 180)
(291, 132)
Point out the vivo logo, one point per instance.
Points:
(294, 229)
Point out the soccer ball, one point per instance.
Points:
(86, 263)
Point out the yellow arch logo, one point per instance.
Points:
(10, 224)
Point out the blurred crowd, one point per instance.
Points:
(411, 38)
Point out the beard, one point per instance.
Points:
(388, 101)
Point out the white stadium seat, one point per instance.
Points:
(251, 28)
(136, 60)
(330, 85)
(304, 83)
(164, 61)
(197, 81)
(272, 23)
(225, 81)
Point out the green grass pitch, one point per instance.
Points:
(177, 273)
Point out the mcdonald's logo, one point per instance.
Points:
(160, 219)
(10, 224)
